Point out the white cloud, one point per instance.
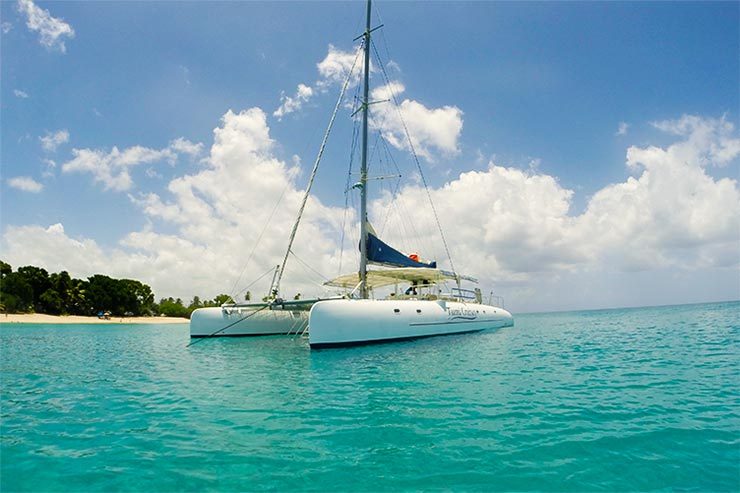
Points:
(20, 94)
(333, 70)
(672, 215)
(290, 104)
(622, 129)
(216, 214)
(709, 140)
(26, 184)
(184, 146)
(152, 173)
(6, 27)
(52, 141)
(48, 171)
(432, 129)
(52, 31)
(393, 66)
(668, 225)
(112, 169)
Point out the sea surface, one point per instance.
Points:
(613, 400)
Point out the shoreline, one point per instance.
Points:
(40, 318)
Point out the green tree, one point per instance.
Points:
(173, 308)
(195, 304)
(39, 281)
(16, 293)
(100, 293)
(77, 303)
(51, 302)
(5, 269)
(221, 299)
(61, 283)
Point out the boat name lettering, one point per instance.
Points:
(453, 313)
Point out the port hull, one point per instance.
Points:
(246, 321)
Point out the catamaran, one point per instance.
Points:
(423, 310)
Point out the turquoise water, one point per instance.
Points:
(638, 399)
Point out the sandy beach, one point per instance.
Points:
(38, 318)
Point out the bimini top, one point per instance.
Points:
(389, 277)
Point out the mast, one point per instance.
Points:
(363, 168)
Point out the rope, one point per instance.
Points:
(196, 341)
(416, 158)
(313, 172)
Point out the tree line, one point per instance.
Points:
(32, 289)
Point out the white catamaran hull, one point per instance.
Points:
(246, 321)
(350, 322)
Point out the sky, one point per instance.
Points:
(579, 155)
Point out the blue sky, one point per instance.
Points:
(542, 88)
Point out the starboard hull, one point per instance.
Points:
(354, 322)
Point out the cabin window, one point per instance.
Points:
(396, 310)
(418, 311)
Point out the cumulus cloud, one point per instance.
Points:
(708, 140)
(290, 104)
(223, 208)
(112, 168)
(513, 227)
(26, 184)
(672, 214)
(432, 129)
(52, 30)
(333, 70)
(51, 141)
(622, 129)
(184, 146)
(214, 217)
(6, 27)
(20, 94)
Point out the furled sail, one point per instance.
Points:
(380, 252)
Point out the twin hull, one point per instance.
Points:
(246, 321)
(348, 322)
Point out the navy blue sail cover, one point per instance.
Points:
(381, 253)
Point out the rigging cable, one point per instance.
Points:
(413, 153)
(276, 288)
(352, 151)
(299, 259)
(271, 269)
(256, 244)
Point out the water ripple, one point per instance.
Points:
(611, 400)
